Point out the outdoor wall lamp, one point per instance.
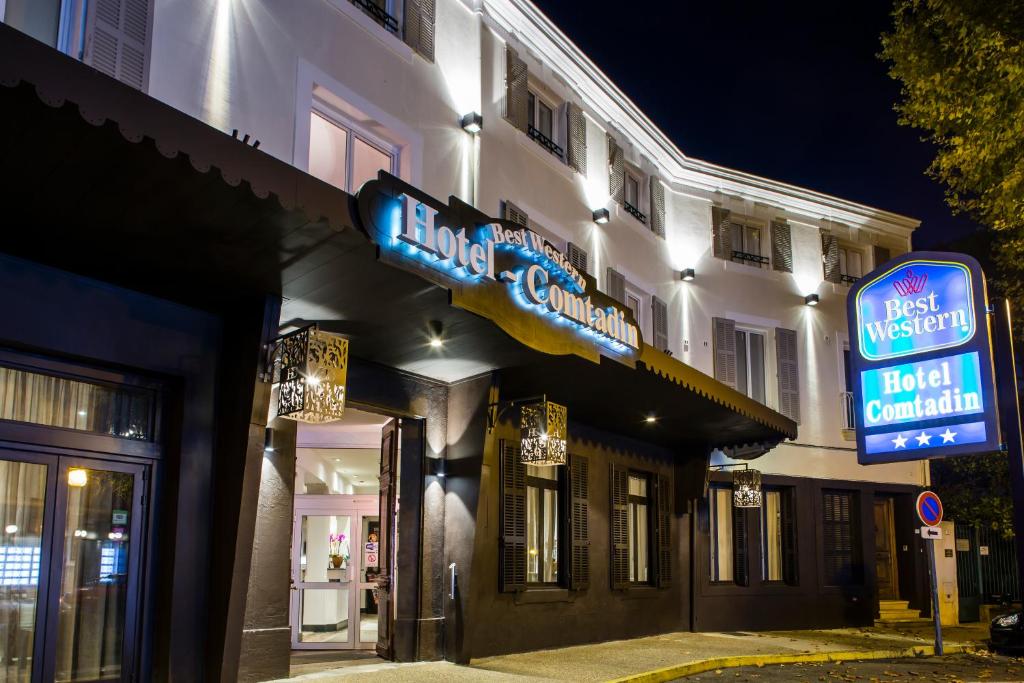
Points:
(687, 274)
(268, 440)
(812, 299)
(472, 123)
(746, 485)
(601, 216)
(312, 374)
(436, 334)
(543, 428)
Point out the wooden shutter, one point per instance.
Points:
(512, 551)
(616, 171)
(830, 256)
(577, 257)
(839, 540)
(117, 40)
(516, 96)
(657, 207)
(664, 531)
(659, 323)
(879, 255)
(579, 520)
(740, 575)
(721, 232)
(782, 247)
(724, 342)
(419, 27)
(616, 285)
(790, 558)
(576, 145)
(619, 526)
(787, 366)
(513, 213)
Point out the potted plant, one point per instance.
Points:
(339, 551)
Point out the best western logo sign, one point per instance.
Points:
(928, 310)
(915, 308)
(500, 270)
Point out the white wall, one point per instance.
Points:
(254, 66)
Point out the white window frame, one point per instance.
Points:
(746, 355)
(715, 525)
(743, 226)
(844, 262)
(540, 98)
(326, 112)
(639, 297)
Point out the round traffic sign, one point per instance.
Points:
(929, 508)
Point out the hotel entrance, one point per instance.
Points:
(337, 560)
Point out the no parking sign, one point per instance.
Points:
(929, 508)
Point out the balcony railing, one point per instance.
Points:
(848, 279)
(636, 212)
(746, 257)
(846, 410)
(378, 14)
(544, 141)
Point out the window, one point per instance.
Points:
(746, 245)
(842, 561)
(344, 157)
(631, 197)
(778, 536)
(634, 303)
(721, 530)
(846, 399)
(542, 521)
(850, 268)
(750, 364)
(384, 12)
(639, 528)
(540, 126)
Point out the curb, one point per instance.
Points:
(669, 673)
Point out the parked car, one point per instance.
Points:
(1006, 632)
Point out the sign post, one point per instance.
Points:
(929, 509)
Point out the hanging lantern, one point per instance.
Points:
(314, 370)
(746, 488)
(542, 431)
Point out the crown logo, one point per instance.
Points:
(910, 284)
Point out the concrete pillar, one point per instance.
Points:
(266, 635)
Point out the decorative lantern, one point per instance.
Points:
(542, 430)
(314, 370)
(746, 488)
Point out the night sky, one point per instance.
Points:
(790, 91)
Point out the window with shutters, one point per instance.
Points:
(635, 303)
(778, 536)
(631, 195)
(577, 257)
(850, 264)
(385, 12)
(543, 519)
(782, 246)
(540, 123)
(345, 155)
(879, 255)
(841, 544)
(750, 373)
(639, 521)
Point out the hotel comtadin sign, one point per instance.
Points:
(921, 362)
(498, 269)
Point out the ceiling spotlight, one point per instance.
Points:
(687, 274)
(472, 123)
(436, 334)
(811, 299)
(601, 216)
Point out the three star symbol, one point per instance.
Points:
(900, 441)
(947, 436)
(924, 439)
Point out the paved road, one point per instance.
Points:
(966, 668)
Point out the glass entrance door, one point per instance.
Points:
(68, 567)
(333, 604)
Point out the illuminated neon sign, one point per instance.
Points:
(928, 310)
(498, 269)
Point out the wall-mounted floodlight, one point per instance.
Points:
(472, 123)
(687, 274)
(601, 216)
(812, 299)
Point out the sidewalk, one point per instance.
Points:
(617, 659)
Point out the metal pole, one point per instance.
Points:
(935, 596)
(1009, 419)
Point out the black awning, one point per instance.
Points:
(102, 180)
